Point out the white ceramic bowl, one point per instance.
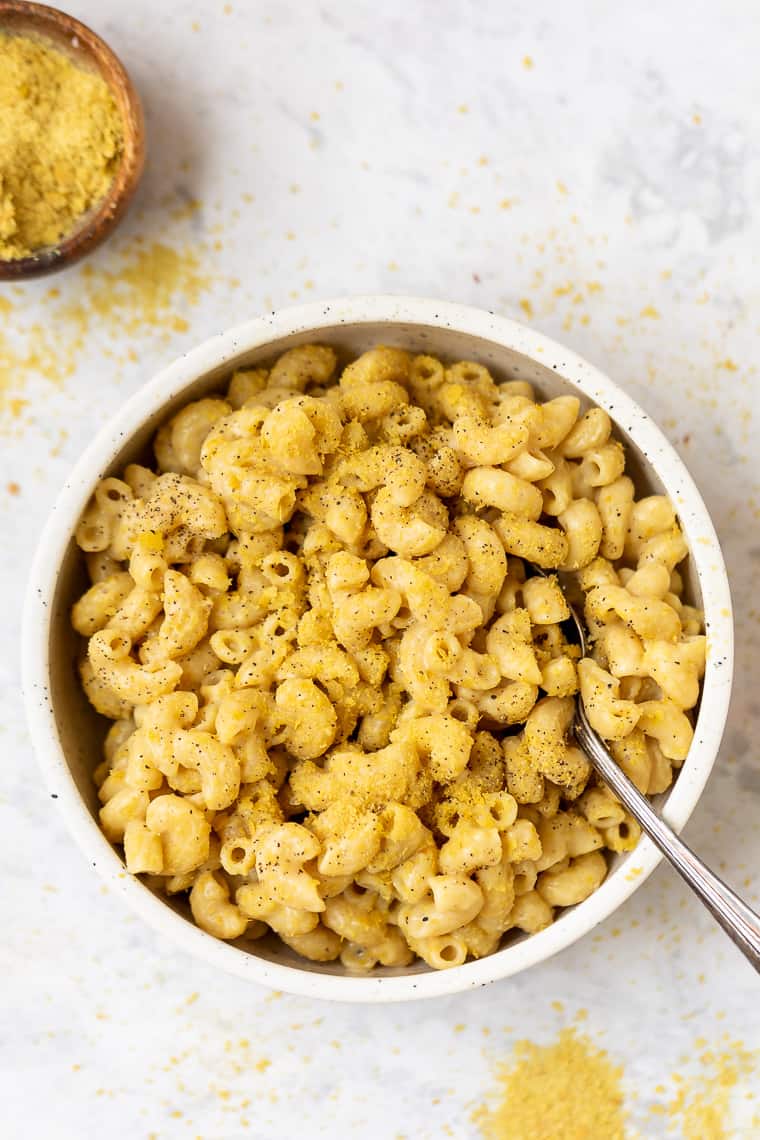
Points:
(67, 734)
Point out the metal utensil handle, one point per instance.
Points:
(739, 921)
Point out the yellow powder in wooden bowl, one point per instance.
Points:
(61, 137)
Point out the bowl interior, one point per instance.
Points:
(90, 52)
(81, 730)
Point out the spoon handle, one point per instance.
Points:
(739, 921)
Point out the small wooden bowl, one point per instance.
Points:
(18, 17)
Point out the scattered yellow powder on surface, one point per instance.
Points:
(527, 62)
(527, 307)
(728, 364)
(139, 294)
(650, 311)
(184, 210)
(39, 355)
(143, 290)
(60, 141)
(262, 1065)
(16, 406)
(568, 1089)
(701, 1107)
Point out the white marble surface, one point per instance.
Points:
(610, 192)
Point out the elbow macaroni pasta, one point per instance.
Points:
(342, 706)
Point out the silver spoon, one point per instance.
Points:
(739, 921)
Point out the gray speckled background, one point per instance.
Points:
(591, 168)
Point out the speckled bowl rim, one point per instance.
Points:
(592, 383)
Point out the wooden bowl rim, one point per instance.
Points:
(55, 26)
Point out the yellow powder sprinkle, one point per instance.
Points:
(16, 406)
(527, 307)
(569, 1089)
(728, 364)
(701, 1108)
(650, 311)
(60, 140)
(187, 209)
(142, 292)
(41, 356)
